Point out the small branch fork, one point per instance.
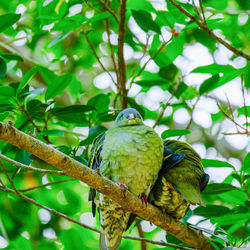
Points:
(204, 26)
(78, 171)
(231, 116)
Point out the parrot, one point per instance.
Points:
(180, 181)
(130, 154)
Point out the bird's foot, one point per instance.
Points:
(144, 199)
(122, 185)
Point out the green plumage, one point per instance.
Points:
(180, 181)
(129, 153)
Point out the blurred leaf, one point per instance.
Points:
(230, 219)
(99, 102)
(209, 84)
(26, 79)
(211, 211)
(53, 132)
(6, 91)
(246, 164)
(169, 72)
(241, 111)
(215, 163)
(145, 21)
(174, 132)
(217, 188)
(72, 114)
(3, 67)
(93, 133)
(12, 57)
(58, 39)
(22, 243)
(7, 20)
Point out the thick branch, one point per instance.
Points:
(127, 200)
(209, 31)
(121, 61)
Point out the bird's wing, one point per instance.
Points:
(94, 163)
(170, 160)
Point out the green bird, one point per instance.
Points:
(130, 154)
(181, 179)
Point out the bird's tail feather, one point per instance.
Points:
(113, 220)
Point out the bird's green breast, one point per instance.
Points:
(132, 155)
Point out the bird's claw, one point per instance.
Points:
(144, 199)
(122, 185)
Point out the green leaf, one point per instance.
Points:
(3, 67)
(22, 243)
(93, 133)
(58, 39)
(100, 103)
(169, 72)
(215, 163)
(12, 57)
(174, 132)
(165, 18)
(6, 91)
(72, 114)
(56, 84)
(230, 219)
(53, 132)
(7, 20)
(246, 164)
(211, 211)
(247, 75)
(209, 84)
(145, 21)
(241, 111)
(26, 79)
(218, 188)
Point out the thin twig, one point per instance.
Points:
(144, 53)
(166, 104)
(121, 60)
(196, 10)
(106, 7)
(202, 12)
(142, 235)
(244, 100)
(151, 58)
(210, 32)
(227, 116)
(245, 189)
(44, 185)
(33, 123)
(39, 170)
(97, 57)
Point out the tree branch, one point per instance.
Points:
(44, 185)
(209, 31)
(127, 200)
(121, 61)
(106, 7)
(39, 170)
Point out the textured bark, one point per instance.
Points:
(80, 172)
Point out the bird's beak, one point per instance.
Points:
(131, 119)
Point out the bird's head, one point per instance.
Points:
(128, 117)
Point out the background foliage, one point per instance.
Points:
(61, 76)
